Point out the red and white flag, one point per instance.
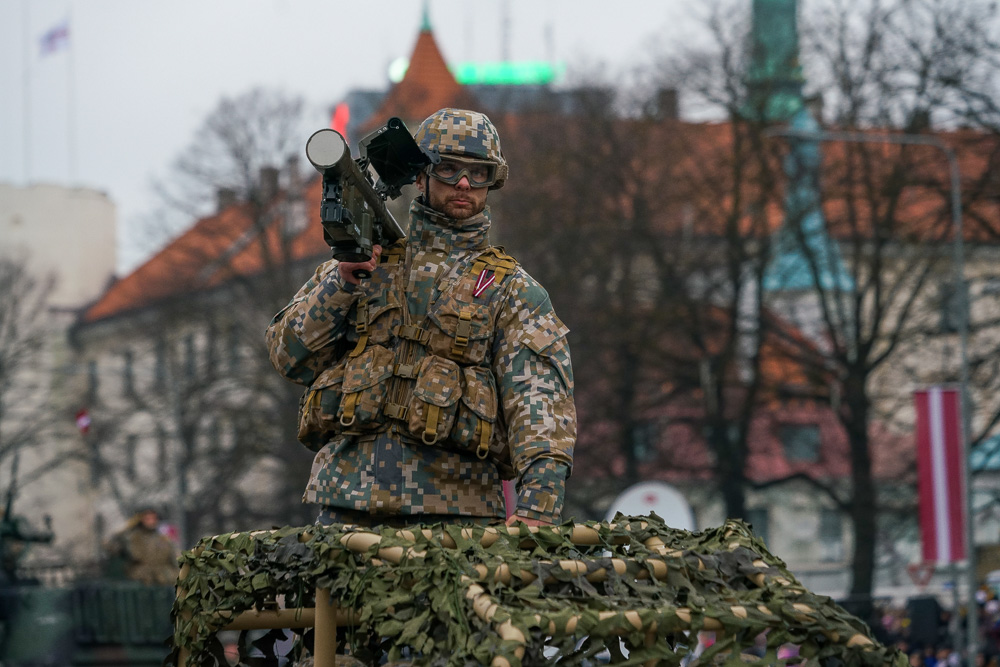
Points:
(82, 419)
(941, 473)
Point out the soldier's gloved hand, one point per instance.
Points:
(347, 269)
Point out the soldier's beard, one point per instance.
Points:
(454, 203)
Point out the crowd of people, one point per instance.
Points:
(939, 641)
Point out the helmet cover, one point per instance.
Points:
(463, 133)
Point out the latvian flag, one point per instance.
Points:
(941, 472)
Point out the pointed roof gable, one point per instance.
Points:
(215, 250)
(427, 86)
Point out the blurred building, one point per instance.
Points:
(66, 232)
(66, 236)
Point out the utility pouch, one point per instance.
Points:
(434, 400)
(318, 408)
(462, 331)
(366, 385)
(477, 411)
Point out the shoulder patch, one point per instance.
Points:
(541, 333)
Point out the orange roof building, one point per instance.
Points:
(427, 86)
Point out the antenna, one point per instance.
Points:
(505, 31)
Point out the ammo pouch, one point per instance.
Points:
(452, 406)
(365, 388)
(319, 408)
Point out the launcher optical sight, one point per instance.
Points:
(353, 211)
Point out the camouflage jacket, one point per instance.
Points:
(150, 557)
(428, 382)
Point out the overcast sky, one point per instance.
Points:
(111, 106)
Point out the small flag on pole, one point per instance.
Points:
(55, 39)
(82, 419)
(941, 474)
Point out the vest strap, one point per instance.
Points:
(395, 411)
(430, 435)
(496, 259)
(361, 326)
(462, 331)
(485, 431)
(411, 332)
(408, 371)
(350, 402)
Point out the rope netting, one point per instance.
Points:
(630, 591)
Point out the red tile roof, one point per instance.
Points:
(427, 86)
(216, 249)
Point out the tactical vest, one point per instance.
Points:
(431, 380)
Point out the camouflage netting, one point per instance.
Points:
(463, 595)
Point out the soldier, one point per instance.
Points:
(443, 372)
(149, 556)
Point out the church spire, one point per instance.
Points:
(425, 22)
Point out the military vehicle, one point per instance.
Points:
(98, 621)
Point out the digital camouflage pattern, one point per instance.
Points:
(455, 595)
(463, 133)
(444, 371)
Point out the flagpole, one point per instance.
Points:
(70, 102)
(26, 83)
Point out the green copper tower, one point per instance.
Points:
(805, 257)
(774, 80)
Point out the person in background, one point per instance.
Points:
(149, 556)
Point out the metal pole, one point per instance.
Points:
(972, 621)
(26, 89)
(958, 267)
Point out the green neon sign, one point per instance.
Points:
(510, 73)
(520, 73)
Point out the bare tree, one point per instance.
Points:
(654, 239)
(914, 67)
(23, 393)
(201, 418)
(638, 225)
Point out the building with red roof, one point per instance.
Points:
(242, 260)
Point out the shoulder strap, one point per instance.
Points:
(394, 253)
(496, 259)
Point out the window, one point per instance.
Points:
(801, 442)
(233, 344)
(831, 536)
(951, 303)
(211, 343)
(160, 364)
(644, 437)
(213, 437)
(189, 357)
(757, 518)
(128, 374)
(131, 445)
(93, 384)
(162, 450)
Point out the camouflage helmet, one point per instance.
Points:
(463, 133)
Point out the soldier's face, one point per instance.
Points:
(460, 201)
